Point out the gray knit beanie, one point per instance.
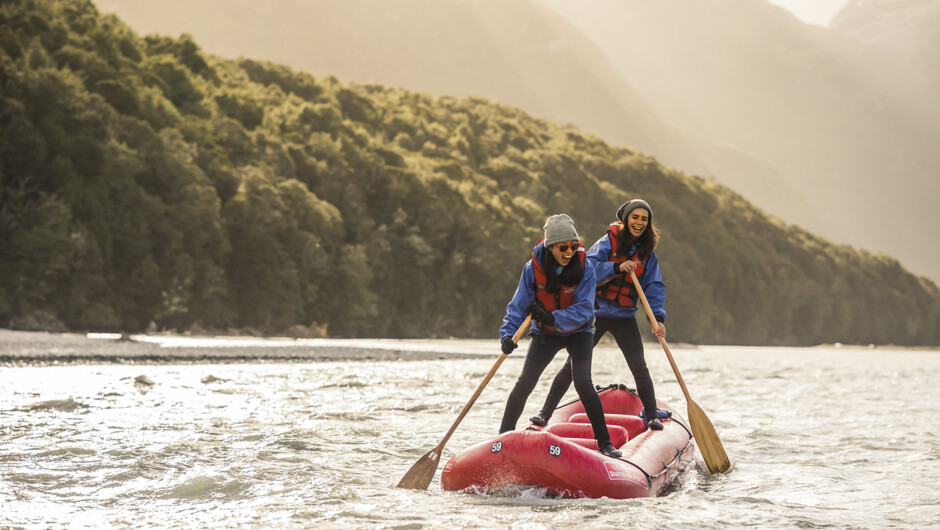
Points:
(559, 228)
(631, 205)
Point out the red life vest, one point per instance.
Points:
(620, 288)
(561, 298)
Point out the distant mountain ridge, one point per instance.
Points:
(908, 30)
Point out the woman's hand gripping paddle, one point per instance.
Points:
(422, 472)
(702, 429)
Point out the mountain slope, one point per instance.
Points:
(849, 128)
(512, 51)
(145, 182)
(907, 30)
(804, 123)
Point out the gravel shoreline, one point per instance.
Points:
(41, 348)
(31, 348)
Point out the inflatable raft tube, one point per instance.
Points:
(562, 457)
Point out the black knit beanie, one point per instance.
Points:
(631, 205)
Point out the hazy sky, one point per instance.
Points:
(818, 12)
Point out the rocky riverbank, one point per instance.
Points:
(31, 347)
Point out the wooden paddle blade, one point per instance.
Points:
(707, 440)
(421, 474)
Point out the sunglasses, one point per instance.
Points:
(564, 248)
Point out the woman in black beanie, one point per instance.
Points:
(627, 247)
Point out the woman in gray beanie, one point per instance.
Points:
(557, 288)
(627, 247)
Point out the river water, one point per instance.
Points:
(819, 437)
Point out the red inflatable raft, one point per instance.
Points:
(562, 457)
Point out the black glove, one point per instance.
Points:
(547, 318)
(507, 345)
(540, 314)
(533, 309)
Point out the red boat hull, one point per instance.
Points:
(562, 458)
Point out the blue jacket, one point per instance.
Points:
(651, 281)
(576, 318)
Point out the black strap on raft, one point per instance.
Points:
(599, 388)
(649, 478)
(614, 386)
(671, 465)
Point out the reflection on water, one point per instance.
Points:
(819, 437)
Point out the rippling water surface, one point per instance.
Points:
(819, 437)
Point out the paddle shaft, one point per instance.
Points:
(515, 338)
(713, 452)
(649, 314)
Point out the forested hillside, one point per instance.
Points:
(807, 125)
(142, 181)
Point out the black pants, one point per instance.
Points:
(542, 350)
(627, 334)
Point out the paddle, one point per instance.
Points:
(702, 429)
(422, 472)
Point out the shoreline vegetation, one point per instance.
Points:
(147, 185)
